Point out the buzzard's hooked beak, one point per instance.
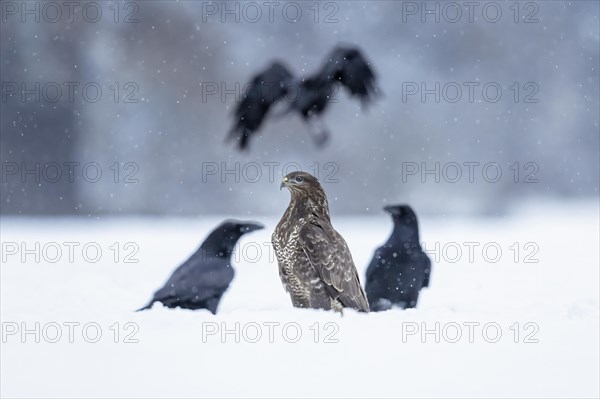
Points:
(283, 183)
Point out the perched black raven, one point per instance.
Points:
(201, 280)
(399, 269)
(345, 66)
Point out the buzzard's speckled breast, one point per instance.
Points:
(299, 278)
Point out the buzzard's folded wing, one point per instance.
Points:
(328, 253)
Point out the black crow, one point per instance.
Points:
(399, 269)
(344, 66)
(315, 264)
(201, 280)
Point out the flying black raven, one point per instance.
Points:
(315, 264)
(399, 269)
(201, 280)
(345, 66)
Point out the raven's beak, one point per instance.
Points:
(283, 183)
(252, 227)
(397, 210)
(391, 209)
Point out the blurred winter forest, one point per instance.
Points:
(143, 93)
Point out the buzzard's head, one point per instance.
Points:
(301, 183)
(307, 193)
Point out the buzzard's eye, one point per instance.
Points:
(299, 179)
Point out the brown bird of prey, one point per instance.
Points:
(315, 264)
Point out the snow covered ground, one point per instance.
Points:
(491, 324)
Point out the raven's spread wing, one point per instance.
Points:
(265, 89)
(329, 255)
(347, 66)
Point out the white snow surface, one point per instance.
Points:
(182, 353)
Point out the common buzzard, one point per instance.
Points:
(315, 264)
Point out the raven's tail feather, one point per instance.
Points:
(148, 306)
(317, 130)
(380, 305)
(240, 135)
